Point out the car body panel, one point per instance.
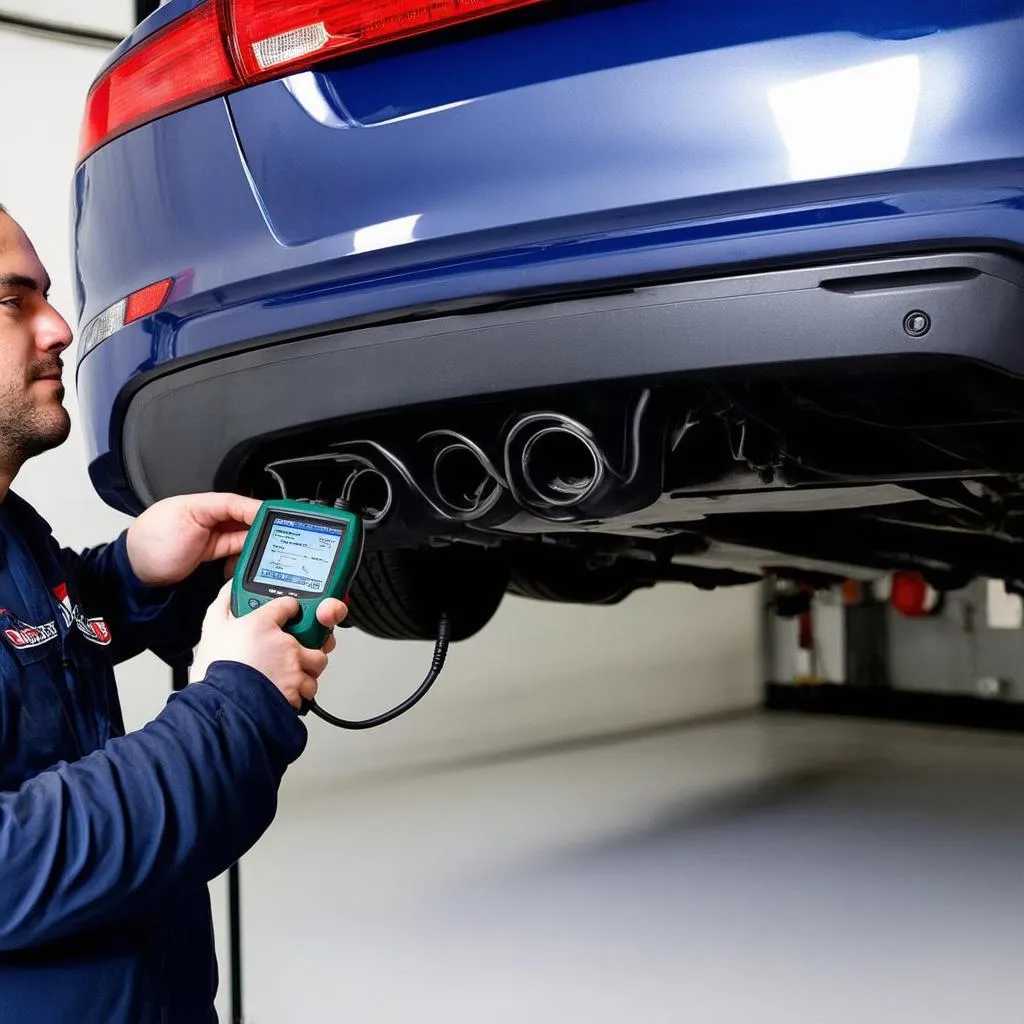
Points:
(621, 143)
(635, 105)
(929, 218)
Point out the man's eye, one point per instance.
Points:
(14, 302)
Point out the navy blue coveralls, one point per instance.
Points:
(107, 841)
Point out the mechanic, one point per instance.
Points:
(108, 841)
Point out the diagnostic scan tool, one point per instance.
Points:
(311, 552)
(302, 550)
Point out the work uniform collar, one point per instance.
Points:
(30, 521)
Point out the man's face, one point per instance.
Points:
(32, 337)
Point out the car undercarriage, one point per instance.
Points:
(817, 473)
(816, 424)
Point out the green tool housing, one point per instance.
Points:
(298, 549)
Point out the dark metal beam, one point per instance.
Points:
(950, 709)
(59, 30)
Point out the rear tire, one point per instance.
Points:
(567, 579)
(401, 595)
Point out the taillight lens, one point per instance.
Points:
(137, 305)
(184, 63)
(223, 45)
(147, 300)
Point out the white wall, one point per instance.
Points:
(539, 676)
(35, 186)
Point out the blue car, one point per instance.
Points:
(570, 297)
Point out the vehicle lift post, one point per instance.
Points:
(179, 680)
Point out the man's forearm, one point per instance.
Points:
(87, 843)
(166, 620)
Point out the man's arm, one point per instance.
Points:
(90, 843)
(164, 619)
(155, 582)
(85, 844)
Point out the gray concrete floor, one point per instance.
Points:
(761, 869)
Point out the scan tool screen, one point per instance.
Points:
(298, 555)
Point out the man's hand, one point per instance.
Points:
(172, 538)
(258, 640)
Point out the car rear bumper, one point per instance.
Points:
(612, 142)
(191, 423)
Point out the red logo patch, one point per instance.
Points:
(99, 632)
(94, 629)
(24, 635)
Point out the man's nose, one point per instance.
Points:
(53, 333)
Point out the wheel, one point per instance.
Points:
(568, 580)
(401, 595)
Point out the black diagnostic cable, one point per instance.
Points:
(444, 632)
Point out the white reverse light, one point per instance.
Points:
(291, 45)
(102, 327)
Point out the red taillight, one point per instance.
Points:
(147, 300)
(223, 45)
(183, 64)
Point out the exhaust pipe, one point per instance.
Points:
(557, 469)
(364, 487)
(461, 482)
(465, 483)
(553, 467)
(552, 463)
(369, 491)
(560, 467)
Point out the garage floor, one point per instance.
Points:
(756, 869)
